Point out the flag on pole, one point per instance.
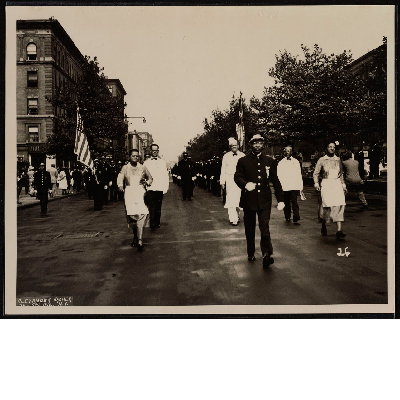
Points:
(81, 144)
(240, 126)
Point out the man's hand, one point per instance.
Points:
(317, 187)
(280, 206)
(250, 186)
(121, 188)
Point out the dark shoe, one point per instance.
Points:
(134, 242)
(324, 232)
(340, 235)
(251, 258)
(184, 199)
(365, 207)
(158, 227)
(267, 261)
(287, 219)
(140, 247)
(296, 219)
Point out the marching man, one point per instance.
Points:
(233, 192)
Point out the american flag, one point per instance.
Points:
(81, 144)
(240, 126)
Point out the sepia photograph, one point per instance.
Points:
(200, 160)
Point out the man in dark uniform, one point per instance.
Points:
(42, 184)
(186, 171)
(98, 183)
(253, 174)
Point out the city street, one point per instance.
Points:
(198, 258)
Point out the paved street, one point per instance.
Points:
(198, 258)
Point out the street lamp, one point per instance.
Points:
(144, 119)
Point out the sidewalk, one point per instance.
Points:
(29, 201)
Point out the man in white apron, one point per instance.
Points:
(233, 192)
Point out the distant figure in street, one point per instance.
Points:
(227, 181)
(131, 180)
(332, 188)
(99, 181)
(299, 157)
(54, 175)
(253, 174)
(359, 156)
(155, 192)
(42, 184)
(289, 174)
(375, 159)
(352, 177)
(77, 177)
(186, 172)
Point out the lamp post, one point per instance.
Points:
(137, 136)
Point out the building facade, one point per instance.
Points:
(118, 147)
(47, 59)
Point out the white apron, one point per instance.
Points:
(332, 193)
(134, 197)
(233, 193)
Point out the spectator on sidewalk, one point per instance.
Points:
(352, 177)
(53, 175)
(62, 181)
(31, 175)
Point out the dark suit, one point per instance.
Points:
(42, 184)
(187, 171)
(259, 170)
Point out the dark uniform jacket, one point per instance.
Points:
(42, 181)
(186, 169)
(261, 171)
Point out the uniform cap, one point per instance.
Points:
(255, 137)
(232, 141)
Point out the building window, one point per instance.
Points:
(32, 79)
(33, 134)
(32, 106)
(20, 158)
(31, 51)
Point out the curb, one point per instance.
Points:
(37, 203)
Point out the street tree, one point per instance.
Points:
(102, 114)
(313, 97)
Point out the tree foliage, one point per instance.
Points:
(102, 114)
(313, 98)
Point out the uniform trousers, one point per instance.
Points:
(249, 219)
(98, 197)
(187, 188)
(43, 197)
(154, 200)
(290, 199)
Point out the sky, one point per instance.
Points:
(178, 64)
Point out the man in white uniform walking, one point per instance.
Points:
(233, 192)
(158, 170)
(289, 174)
